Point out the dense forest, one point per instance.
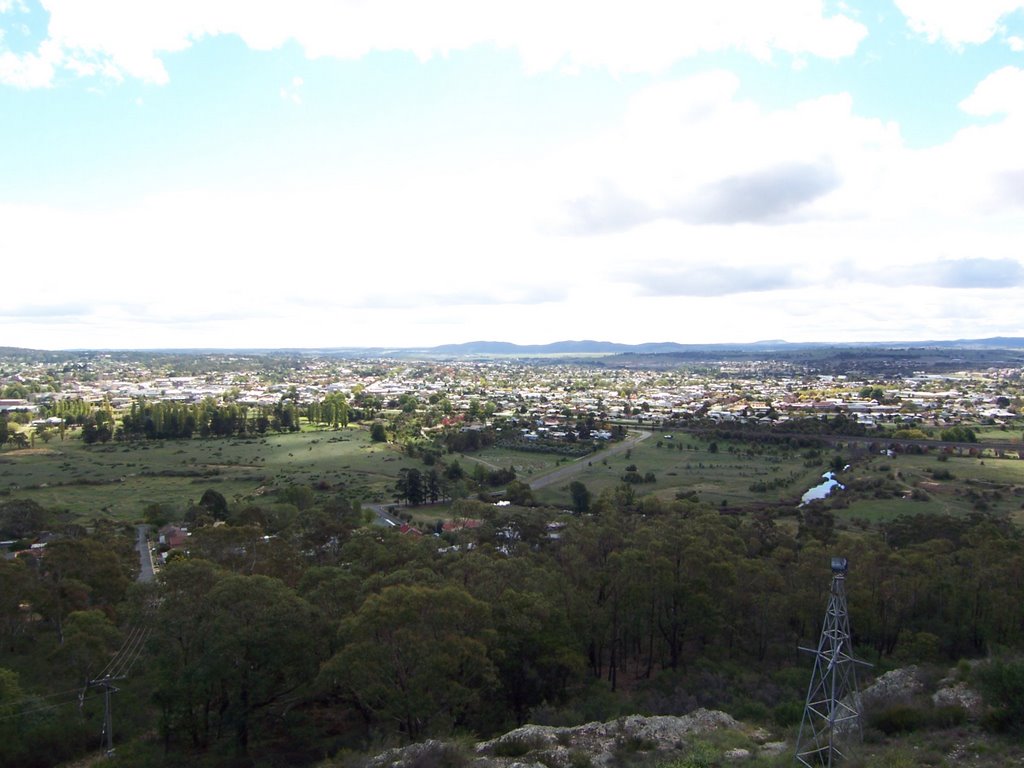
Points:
(295, 639)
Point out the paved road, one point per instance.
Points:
(566, 471)
(145, 554)
(383, 518)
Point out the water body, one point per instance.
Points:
(823, 490)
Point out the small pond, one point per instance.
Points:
(822, 490)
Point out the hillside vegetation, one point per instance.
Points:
(331, 586)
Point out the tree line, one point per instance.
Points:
(303, 632)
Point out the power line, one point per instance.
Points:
(133, 634)
(77, 697)
(117, 669)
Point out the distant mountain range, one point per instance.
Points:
(590, 347)
(572, 348)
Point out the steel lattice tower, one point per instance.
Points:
(833, 710)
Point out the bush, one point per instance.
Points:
(750, 711)
(788, 713)
(904, 718)
(899, 718)
(950, 716)
(700, 755)
(1002, 685)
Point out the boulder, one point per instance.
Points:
(899, 686)
(959, 695)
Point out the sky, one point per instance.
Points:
(400, 173)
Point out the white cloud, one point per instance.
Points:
(959, 22)
(31, 70)
(692, 151)
(127, 39)
(1002, 92)
(817, 224)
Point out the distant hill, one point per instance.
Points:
(591, 347)
(584, 347)
(568, 349)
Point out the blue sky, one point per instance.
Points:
(399, 173)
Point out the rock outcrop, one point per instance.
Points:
(591, 745)
(899, 686)
(636, 741)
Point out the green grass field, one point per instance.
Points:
(956, 486)
(119, 481)
(724, 476)
(999, 435)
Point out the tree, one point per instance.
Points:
(519, 493)
(410, 486)
(79, 574)
(214, 503)
(415, 659)
(580, 496)
(377, 432)
(335, 592)
(958, 434)
(89, 641)
(22, 518)
(435, 485)
(231, 655)
(816, 523)
(17, 587)
(537, 658)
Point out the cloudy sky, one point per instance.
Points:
(241, 173)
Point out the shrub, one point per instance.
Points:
(788, 713)
(751, 711)
(951, 716)
(1002, 685)
(700, 755)
(898, 718)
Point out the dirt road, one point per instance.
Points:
(566, 471)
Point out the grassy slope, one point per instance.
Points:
(1000, 482)
(121, 480)
(716, 477)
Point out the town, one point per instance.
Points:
(549, 396)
